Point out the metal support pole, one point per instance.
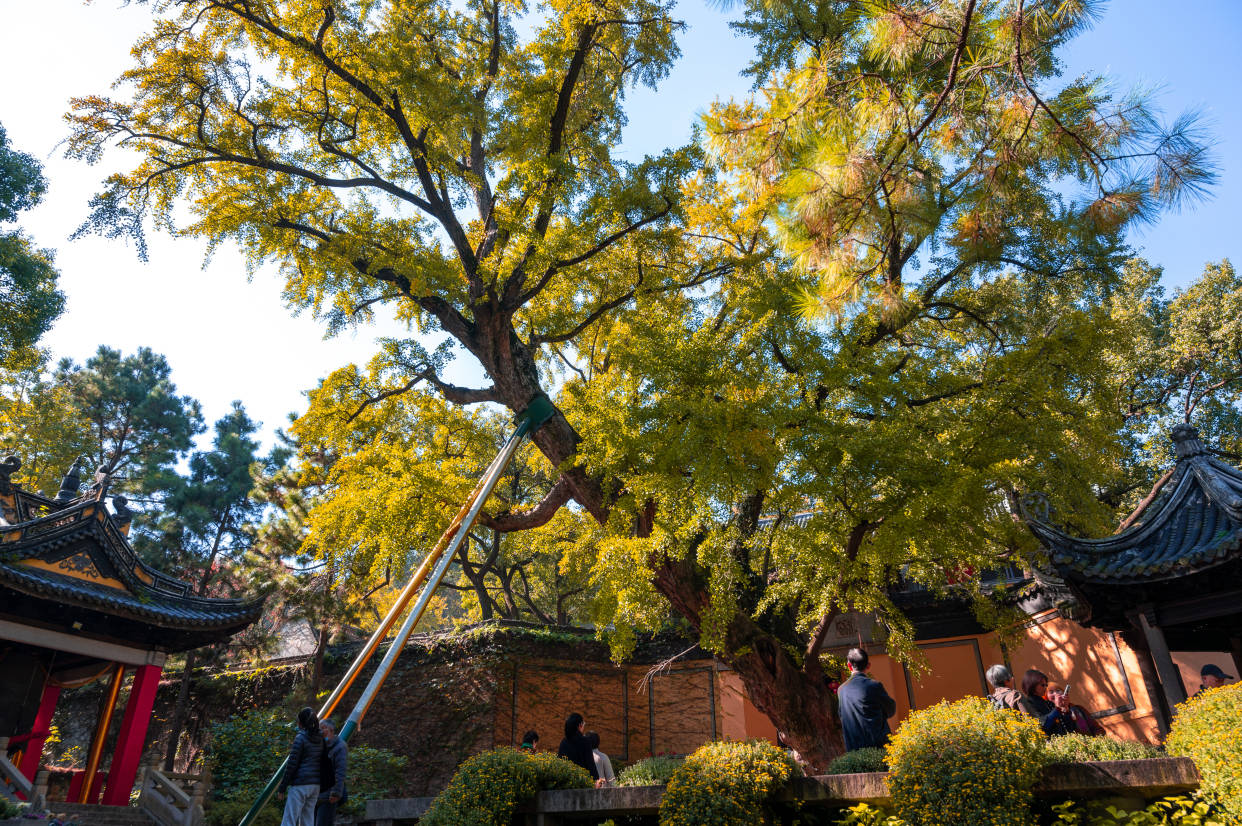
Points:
(101, 734)
(538, 411)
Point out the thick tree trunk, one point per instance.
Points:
(180, 711)
(321, 646)
(795, 697)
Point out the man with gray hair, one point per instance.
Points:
(1004, 695)
(332, 775)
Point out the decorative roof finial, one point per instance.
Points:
(72, 481)
(121, 514)
(1186, 442)
(8, 466)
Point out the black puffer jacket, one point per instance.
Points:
(304, 756)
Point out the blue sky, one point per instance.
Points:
(228, 336)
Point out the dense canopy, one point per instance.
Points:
(905, 172)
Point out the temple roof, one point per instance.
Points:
(1193, 526)
(69, 563)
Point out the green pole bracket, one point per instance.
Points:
(537, 411)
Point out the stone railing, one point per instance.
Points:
(173, 799)
(1134, 779)
(13, 784)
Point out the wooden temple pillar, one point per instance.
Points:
(32, 757)
(128, 752)
(1151, 681)
(1174, 690)
(1235, 647)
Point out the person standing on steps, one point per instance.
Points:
(300, 784)
(332, 784)
(864, 706)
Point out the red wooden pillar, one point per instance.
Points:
(133, 735)
(33, 755)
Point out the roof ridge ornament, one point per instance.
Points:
(1186, 441)
(72, 481)
(1036, 504)
(8, 466)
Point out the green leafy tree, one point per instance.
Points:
(29, 300)
(138, 426)
(203, 533)
(122, 413)
(391, 498)
(39, 424)
(431, 158)
(1183, 365)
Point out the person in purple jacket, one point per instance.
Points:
(863, 705)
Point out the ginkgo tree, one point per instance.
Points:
(904, 167)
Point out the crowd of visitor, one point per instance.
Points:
(864, 708)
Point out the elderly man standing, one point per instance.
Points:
(1004, 695)
(331, 784)
(864, 705)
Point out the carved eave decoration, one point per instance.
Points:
(1193, 528)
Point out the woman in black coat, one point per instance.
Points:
(301, 778)
(575, 747)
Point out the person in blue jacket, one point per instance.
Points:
(332, 791)
(863, 705)
(301, 778)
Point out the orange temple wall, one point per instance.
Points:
(675, 710)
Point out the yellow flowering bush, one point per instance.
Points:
(1208, 730)
(725, 784)
(488, 787)
(965, 763)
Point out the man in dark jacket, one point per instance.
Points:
(864, 706)
(332, 787)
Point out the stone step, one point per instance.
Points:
(88, 814)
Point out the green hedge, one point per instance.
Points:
(1079, 748)
(859, 761)
(651, 771)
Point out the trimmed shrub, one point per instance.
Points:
(1208, 730)
(725, 784)
(965, 762)
(859, 761)
(1079, 748)
(488, 787)
(652, 771)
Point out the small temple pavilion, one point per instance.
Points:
(1169, 582)
(77, 605)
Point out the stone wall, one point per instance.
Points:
(450, 696)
